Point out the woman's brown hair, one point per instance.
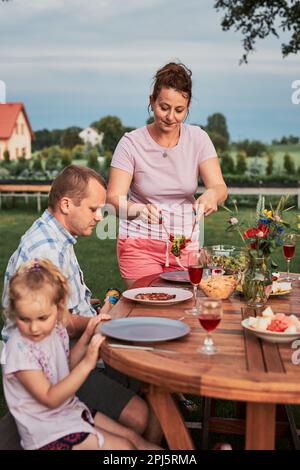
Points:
(173, 75)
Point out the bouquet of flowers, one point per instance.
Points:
(268, 231)
(261, 240)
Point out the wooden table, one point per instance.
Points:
(245, 369)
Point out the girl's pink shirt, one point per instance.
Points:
(37, 424)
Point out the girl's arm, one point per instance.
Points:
(216, 189)
(52, 396)
(117, 191)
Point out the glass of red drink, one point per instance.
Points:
(195, 267)
(289, 248)
(209, 317)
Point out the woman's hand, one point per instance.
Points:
(150, 213)
(206, 204)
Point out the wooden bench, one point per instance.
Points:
(26, 191)
(9, 439)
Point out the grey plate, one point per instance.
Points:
(175, 276)
(145, 329)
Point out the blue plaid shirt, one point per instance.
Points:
(47, 238)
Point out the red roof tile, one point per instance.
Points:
(8, 116)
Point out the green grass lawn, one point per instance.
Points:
(98, 260)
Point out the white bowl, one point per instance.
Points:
(271, 336)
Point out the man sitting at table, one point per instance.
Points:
(74, 208)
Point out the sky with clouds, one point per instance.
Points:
(74, 61)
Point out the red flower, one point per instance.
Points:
(264, 228)
(251, 232)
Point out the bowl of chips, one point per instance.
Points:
(219, 286)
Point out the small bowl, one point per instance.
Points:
(232, 259)
(219, 286)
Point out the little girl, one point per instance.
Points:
(41, 375)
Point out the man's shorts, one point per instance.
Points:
(108, 391)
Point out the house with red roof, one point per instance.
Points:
(16, 133)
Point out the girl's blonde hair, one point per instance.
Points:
(36, 275)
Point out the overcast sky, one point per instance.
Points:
(74, 61)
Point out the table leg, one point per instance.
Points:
(171, 421)
(260, 426)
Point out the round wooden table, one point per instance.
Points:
(245, 369)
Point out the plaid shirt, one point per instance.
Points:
(47, 238)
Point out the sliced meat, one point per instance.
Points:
(155, 296)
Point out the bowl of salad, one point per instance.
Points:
(229, 259)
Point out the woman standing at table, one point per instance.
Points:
(158, 167)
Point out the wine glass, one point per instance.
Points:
(209, 317)
(289, 248)
(195, 268)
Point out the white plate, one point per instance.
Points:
(145, 329)
(271, 336)
(181, 295)
(175, 276)
(280, 292)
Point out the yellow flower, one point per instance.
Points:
(268, 214)
(298, 226)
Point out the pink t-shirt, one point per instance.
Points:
(164, 176)
(37, 424)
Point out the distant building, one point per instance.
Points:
(91, 136)
(16, 133)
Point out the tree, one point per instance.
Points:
(66, 158)
(78, 152)
(92, 161)
(53, 161)
(227, 163)
(70, 137)
(113, 130)
(289, 164)
(260, 18)
(45, 138)
(270, 163)
(241, 162)
(253, 148)
(217, 123)
(37, 164)
(219, 141)
(6, 156)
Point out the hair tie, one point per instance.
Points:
(35, 266)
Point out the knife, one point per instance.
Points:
(142, 348)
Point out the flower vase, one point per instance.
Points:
(257, 284)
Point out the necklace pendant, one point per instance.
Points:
(164, 154)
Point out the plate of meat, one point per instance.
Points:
(158, 295)
(145, 329)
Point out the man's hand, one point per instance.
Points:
(105, 309)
